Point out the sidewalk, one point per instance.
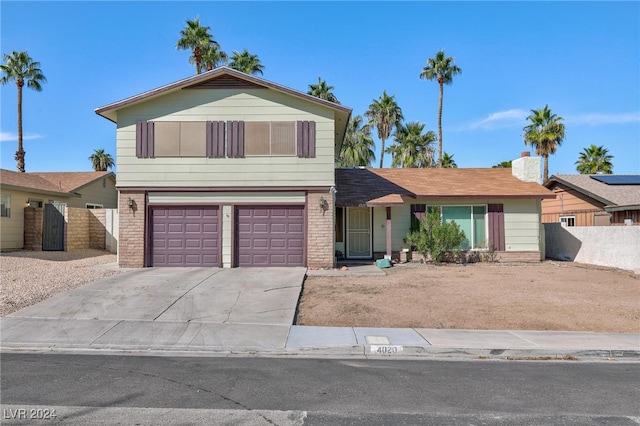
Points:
(209, 312)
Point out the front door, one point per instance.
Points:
(359, 232)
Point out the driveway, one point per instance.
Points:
(165, 308)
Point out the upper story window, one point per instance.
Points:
(93, 206)
(568, 220)
(233, 139)
(5, 205)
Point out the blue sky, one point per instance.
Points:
(580, 58)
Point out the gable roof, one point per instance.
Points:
(225, 77)
(614, 197)
(56, 183)
(383, 187)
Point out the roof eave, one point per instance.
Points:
(38, 190)
(554, 179)
(614, 208)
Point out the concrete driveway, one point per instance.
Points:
(165, 308)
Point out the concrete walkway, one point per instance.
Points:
(205, 311)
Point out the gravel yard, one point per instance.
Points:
(29, 277)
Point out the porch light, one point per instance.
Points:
(323, 203)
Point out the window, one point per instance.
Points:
(568, 220)
(180, 139)
(472, 221)
(270, 138)
(93, 206)
(5, 205)
(35, 203)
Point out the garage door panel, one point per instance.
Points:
(185, 236)
(270, 236)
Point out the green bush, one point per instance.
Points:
(434, 237)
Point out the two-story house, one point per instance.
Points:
(226, 169)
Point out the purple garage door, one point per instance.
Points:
(184, 236)
(270, 236)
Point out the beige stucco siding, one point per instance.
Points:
(226, 105)
(400, 224)
(12, 228)
(97, 192)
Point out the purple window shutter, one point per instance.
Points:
(496, 226)
(418, 210)
(306, 139)
(215, 139)
(139, 139)
(235, 139)
(150, 139)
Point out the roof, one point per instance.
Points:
(375, 187)
(614, 197)
(225, 77)
(60, 183)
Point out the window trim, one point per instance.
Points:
(93, 206)
(566, 221)
(486, 223)
(5, 201)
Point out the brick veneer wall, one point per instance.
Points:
(320, 232)
(33, 219)
(131, 242)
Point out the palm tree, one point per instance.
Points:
(502, 165)
(448, 162)
(101, 161)
(212, 56)
(323, 91)
(357, 148)
(595, 159)
(246, 63)
(196, 38)
(412, 148)
(545, 133)
(442, 69)
(19, 67)
(384, 113)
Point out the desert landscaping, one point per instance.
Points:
(487, 296)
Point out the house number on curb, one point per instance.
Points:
(385, 349)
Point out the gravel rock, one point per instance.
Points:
(28, 277)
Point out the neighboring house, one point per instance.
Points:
(593, 200)
(495, 209)
(226, 169)
(74, 189)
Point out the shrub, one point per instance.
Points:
(434, 237)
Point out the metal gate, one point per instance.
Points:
(53, 227)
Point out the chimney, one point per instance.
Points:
(527, 168)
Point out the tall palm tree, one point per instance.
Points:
(412, 148)
(594, 159)
(384, 113)
(101, 161)
(448, 162)
(212, 56)
(502, 165)
(442, 69)
(545, 133)
(323, 91)
(195, 37)
(246, 62)
(19, 67)
(357, 148)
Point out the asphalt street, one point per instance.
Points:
(97, 389)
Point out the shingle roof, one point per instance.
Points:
(611, 195)
(359, 186)
(59, 182)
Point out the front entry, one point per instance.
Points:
(359, 233)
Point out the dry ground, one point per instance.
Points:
(29, 277)
(489, 296)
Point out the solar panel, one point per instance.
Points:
(618, 179)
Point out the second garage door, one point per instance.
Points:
(270, 236)
(185, 236)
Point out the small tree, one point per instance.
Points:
(435, 237)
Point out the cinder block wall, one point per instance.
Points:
(97, 228)
(131, 244)
(76, 229)
(320, 248)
